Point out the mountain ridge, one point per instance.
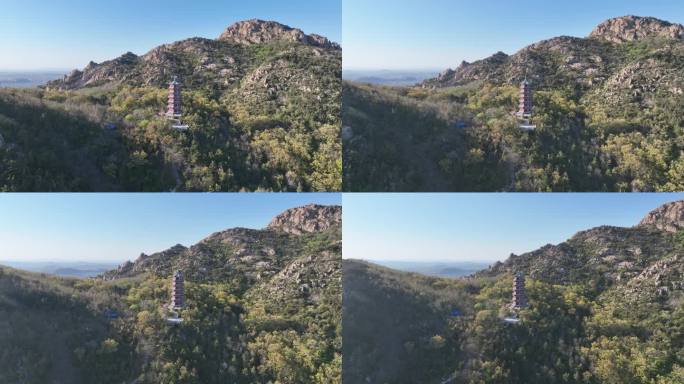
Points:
(251, 246)
(614, 253)
(582, 57)
(160, 64)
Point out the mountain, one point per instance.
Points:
(605, 307)
(582, 62)
(261, 100)
(598, 99)
(222, 63)
(261, 306)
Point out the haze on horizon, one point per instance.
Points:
(113, 228)
(439, 34)
(482, 227)
(43, 35)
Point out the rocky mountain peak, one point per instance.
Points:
(633, 28)
(307, 219)
(200, 60)
(669, 217)
(259, 31)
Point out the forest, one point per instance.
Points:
(465, 138)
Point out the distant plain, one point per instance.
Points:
(24, 79)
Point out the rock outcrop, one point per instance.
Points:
(307, 219)
(669, 217)
(259, 32)
(633, 28)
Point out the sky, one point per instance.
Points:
(439, 34)
(100, 227)
(457, 227)
(67, 34)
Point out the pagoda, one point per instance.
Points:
(525, 106)
(177, 291)
(173, 111)
(519, 293)
(174, 104)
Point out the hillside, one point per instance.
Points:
(608, 110)
(262, 306)
(262, 101)
(605, 307)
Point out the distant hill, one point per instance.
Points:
(436, 269)
(19, 79)
(262, 306)
(605, 307)
(604, 106)
(261, 100)
(65, 269)
(388, 77)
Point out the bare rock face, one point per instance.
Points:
(633, 28)
(307, 219)
(260, 31)
(669, 217)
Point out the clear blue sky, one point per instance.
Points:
(67, 34)
(439, 34)
(479, 227)
(118, 227)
